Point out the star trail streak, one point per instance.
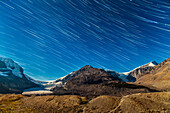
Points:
(51, 38)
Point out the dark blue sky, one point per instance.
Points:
(51, 38)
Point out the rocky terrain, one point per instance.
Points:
(144, 102)
(138, 72)
(141, 102)
(158, 77)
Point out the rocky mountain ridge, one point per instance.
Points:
(13, 79)
(130, 76)
(158, 76)
(92, 82)
(140, 71)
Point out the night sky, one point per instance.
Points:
(51, 38)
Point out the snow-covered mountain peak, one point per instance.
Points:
(11, 65)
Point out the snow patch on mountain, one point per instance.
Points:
(63, 80)
(125, 73)
(150, 64)
(3, 74)
(123, 77)
(45, 87)
(37, 90)
(64, 77)
(14, 67)
(17, 73)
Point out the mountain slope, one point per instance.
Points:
(144, 103)
(90, 75)
(159, 76)
(63, 80)
(4, 90)
(90, 82)
(12, 77)
(140, 71)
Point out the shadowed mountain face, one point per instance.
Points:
(12, 77)
(90, 75)
(63, 80)
(158, 76)
(5, 90)
(91, 81)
